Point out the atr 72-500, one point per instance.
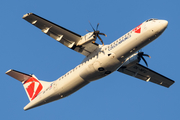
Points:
(122, 55)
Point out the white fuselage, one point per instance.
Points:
(103, 61)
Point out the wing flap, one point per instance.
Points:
(146, 74)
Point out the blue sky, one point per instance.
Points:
(25, 48)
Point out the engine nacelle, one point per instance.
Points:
(89, 37)
(133, 59)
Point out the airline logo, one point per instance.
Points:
(137, 29)
(32, 87)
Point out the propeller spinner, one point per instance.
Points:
(96, 33)
(140, 56)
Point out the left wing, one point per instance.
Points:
(146, 74)
(62, 35)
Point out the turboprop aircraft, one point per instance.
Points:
(100, 60)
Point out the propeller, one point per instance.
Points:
(96, 33)
(140, 56)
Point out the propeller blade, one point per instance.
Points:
(91, 26)
(100, 40)
(97, 26)
(144, 61)
(96, 33)
(141, 54)
(88, 31)
(103, 34)
(147, 55)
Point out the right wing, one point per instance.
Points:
(62, 35)
(146, 74)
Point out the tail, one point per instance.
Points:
(31, 84)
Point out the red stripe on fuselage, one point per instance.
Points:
(137, 29)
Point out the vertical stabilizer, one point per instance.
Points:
(31, 84)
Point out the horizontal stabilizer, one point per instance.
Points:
(18, 75)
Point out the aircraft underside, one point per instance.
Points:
(101, 60)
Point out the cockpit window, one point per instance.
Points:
(151, 19)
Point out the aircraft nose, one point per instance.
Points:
(164, 23)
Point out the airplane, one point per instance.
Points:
(122, 55)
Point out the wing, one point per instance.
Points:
(62, 35)
(146, 74)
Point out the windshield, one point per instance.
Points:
(151, 19)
